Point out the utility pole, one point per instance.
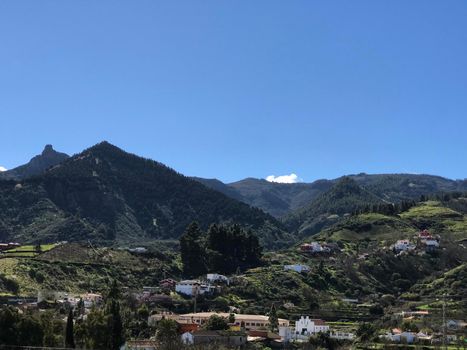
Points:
(195, 295)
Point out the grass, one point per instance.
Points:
(430, 209)
(28, 251)
(371, 226)
(31, 248)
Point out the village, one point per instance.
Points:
(232, 327)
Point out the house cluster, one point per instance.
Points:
(242, 321)
(69, 299)
(247, 328)
(209, 285)
(423, 241)
(161, 294)
(194, 288)
(396, 335)
(319, 248)
(154, 295)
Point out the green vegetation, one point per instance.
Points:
(223, 249)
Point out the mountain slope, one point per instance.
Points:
(277, 199)
(107, 194)
(36, 166)
(398, 187)
(343, 198)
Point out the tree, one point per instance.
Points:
(167, 331)
(409, 326)
(231, 317)
(366, 331)
(114, 325)
(273, 320)
(323, 340)
(230, 248)
(192, 251)
(97, 336)
(114, 291)
(69, 336)
(216, 323)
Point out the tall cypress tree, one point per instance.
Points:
(69, 336)
(114, 320)
(114, 325)
(273, 320)
(192, 251)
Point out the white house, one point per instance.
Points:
(215, 277)
(341, 335)
(138, 250)
(408, 337)
(187, 338)
(403, 245)
(433, 243)
(306, 325)
(297, 268)
(193, 287)
(286, 333)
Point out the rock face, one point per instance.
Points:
(36, 166)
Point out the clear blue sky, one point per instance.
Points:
(231, 89)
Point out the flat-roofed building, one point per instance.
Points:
(249, 322)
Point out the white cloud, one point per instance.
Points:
(3, 169)
(284, 179)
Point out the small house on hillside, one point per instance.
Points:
(168, 284)
(193, 287)
(215, 277)
(314, 248)
(403, 245)
(138, 250)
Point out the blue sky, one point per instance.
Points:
(231, 89)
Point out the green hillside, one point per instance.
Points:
(340, 200)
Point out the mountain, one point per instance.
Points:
(341, 199)
(106, 194)
(37, 165)
(279, 199)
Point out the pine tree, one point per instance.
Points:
(69, 336)
(273, 320)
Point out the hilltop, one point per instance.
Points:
(37, 165)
